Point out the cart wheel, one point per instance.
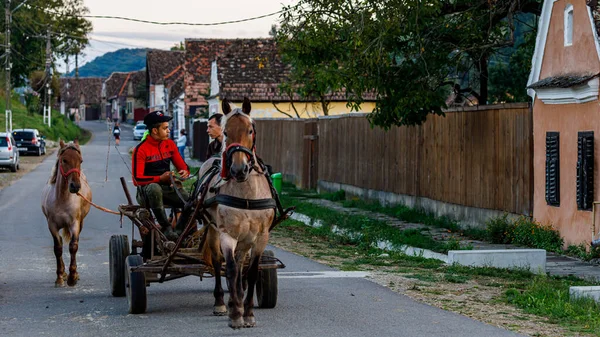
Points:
(118, 250)
(266, 286)
(135, 285)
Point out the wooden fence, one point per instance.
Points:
(477, 157)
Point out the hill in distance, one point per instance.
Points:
(122, 60)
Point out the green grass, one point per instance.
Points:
(61, 128)
(549, 297)
(367, 231)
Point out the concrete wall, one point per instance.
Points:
(305, 109)
(467, 216)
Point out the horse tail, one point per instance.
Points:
(66, 234)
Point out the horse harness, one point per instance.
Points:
(73, 170)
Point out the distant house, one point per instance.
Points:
(119, 93)
(252, 68)
(164, 76)
(81, 97)
(564, 86)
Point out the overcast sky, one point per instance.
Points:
(110, 35)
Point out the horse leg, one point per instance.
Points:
(58, 250)
(251, 277)
(219, 308)
(233, 284)
(73, 247)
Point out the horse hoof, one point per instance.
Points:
(72, 280)
(59, 283)
(220, 310)
(236, 323)
(249, 322)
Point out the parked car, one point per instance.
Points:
(138, 131)
(9, 154)
(30, 141)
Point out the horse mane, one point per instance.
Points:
(54, 174)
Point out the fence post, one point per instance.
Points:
(310, 155)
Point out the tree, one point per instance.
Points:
(32, 23)
(408, 52)
(178, 46)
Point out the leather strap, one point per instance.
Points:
(240, 203)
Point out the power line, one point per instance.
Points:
(166, 23)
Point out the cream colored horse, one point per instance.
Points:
(238, 232)
(64, 209)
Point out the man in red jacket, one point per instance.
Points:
(151, 164)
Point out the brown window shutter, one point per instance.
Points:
(552, 169)
(585, 170)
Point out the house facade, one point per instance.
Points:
(119, 93)
(238, 68)
(566, 118)
(81, 97)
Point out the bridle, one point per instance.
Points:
(71, 171)
(237, 147)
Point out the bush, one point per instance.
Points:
(531, 233)
(498, 229)
(524, 232)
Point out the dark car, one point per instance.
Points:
(30, 141)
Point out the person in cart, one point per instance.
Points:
(151, 162)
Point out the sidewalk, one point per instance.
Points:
(557, 265)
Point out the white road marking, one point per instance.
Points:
(323, 274)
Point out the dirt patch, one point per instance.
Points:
(28, 163)
(478, 298)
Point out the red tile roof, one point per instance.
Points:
(72, 90)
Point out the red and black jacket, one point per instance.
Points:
(151, 158)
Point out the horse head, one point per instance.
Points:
(238, 129)
(69, 163)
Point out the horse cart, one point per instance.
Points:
(164, 260)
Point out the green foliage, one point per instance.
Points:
(581, 252)
(407, 52)
(525, 232)
(122, 60)
(549, 297)
(30, 25)
(498, 229)
(335, 196)
(61, 127)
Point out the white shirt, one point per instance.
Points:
(181, 141)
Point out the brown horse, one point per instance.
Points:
(237, 232)
(64, 209)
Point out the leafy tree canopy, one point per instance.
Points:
(31, 24)
(406, 51)
(122, 60)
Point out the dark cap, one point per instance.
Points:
(155, 118)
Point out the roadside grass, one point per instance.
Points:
(61, 127)
(363, 231)
(541, 295)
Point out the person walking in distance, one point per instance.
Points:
(181, 142)
(117, 133)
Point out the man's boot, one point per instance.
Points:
(163, 221)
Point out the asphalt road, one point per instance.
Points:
(313, 299)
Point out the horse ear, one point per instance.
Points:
(61, 143)
(76, 142)
(246, 106)
(225, 106)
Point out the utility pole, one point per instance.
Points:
(48, 100)
(7, 111)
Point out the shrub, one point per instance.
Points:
(498, 229)
(531, 233)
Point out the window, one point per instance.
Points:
(552, 169)
(585, 170)
(569, 25)
(152, 99)
(129, 107)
